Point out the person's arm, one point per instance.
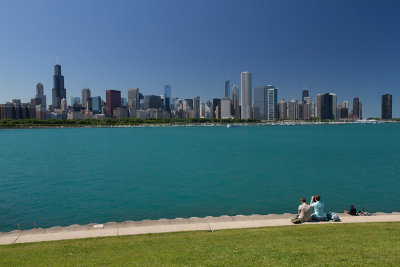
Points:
(312, 200)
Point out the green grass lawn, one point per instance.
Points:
(329, 244)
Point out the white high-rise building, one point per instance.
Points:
(208, 109)
(202, 110)
(64, 105)
(247, 104)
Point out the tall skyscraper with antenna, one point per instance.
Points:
(59, 92)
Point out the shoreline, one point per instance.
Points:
(224, 124)
(208, 223)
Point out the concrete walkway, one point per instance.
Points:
(172, 225)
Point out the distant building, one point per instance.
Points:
(64, 105)
(133, 101)
(153, 102)
(227, 89)
(167, 98)
(246, 109)
(305, 94)
(96, 104)
(272, 103)
(208, 110)
(235, 102)
(85, 97)
(386, 113)
(226, 108)
(260, 102)
(202, 110)
(217, 108)
(188, 104)
(113, 100)
(293, 109)
(40, 94)
(120, 112)
(58, 92)
(196, 107)
(282, 109)
(356, 108)
(327, 106)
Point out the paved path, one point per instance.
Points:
(173, 225)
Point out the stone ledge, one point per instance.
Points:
(208, 223)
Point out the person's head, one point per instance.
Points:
(351, 206)
(317, 197)
(303, 200)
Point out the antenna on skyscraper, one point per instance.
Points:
(56, 60)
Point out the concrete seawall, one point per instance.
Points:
(173, 225)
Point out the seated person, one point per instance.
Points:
(352, 211)
(304, 211)
(318, 206)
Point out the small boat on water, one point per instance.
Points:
(231, 126)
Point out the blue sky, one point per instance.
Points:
(351, 48)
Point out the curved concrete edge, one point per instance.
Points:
(172, 225)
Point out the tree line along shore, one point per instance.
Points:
(31, 123)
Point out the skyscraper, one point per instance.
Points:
(40, 94)
(356, 108)
(227, 89)
(386, 113)
(167, 97)
(247, 104)
(260, 102)
(85, 97)
(293, 109)
(196, 107)
(304, 95)
(226, 108)
(208, 110)
(153, 102)
(96, 104)
(282, 108)
(327, 106)
(216, 104)
(235, 102)
(59, 92)
(272, 103)
(113, 100)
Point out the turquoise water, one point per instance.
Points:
(79, 176)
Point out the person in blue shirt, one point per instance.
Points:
(318, 206)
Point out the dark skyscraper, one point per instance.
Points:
(356, 108)
(153, 101)
(217, 108)
(386, 107)
(113, 99)
(305, 94)
(326, 106)
(59, 92)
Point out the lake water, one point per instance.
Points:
(79, 176)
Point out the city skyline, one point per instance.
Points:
(262, 104)
(127, 48)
